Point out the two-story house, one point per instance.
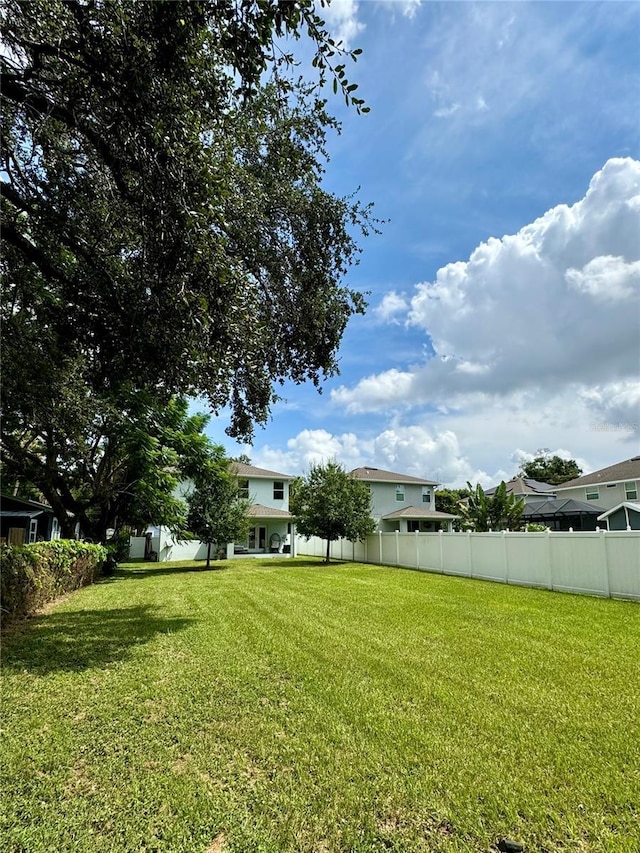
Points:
(403, 503)
(268, 491)
(615, 490)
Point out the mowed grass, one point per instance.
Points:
(282, 705)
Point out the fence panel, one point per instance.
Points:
(488, 557)
(388, 552)
(456, 552)
(577, 563)
(430, 552)
(622, 554)
(528, 558)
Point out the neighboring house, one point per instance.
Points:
(403, 503)
(607, 488)
(24, 522)
(625, 516)
(268, 492)
(525, 487)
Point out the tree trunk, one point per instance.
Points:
(208, 554)
(328, 551)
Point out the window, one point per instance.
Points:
(426, 495)
(631, 491)
(33, 530)
(413, 526)
(243, 489)
(593, 493)
(399, 493)
(278, 490)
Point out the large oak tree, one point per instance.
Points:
(165, 226)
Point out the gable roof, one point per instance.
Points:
(242, 470)
(618, 473)
(524, 486)
(378, 475)
(628, 504)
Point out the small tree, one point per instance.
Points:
(451, 501)
(500, 512)
(331, 504)
(216, 514)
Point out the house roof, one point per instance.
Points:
(10, 500)
(378, 475)
(621, 471)
(242, 470)
(419, 512)
(20, 513)
(524, 486)
(260, 511)
(628, 504)
(556, 507)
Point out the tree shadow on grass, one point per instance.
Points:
(138, 571)
(83, 639)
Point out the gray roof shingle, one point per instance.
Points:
(618, 473)
(378, 475)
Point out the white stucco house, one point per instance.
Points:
(272, 530)
(402, 502)
(268, 491)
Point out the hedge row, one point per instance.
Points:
(32, 575)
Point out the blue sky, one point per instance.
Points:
(503, 148)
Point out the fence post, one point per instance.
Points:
(380, 546)
(549, 560)
(440, 534)
(417, 551)
(469, 553)
(397, 547)
(605, 563)
(505, 556)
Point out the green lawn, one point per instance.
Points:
(281, 705)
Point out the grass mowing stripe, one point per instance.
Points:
(292, 706)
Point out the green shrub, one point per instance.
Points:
(32, 575)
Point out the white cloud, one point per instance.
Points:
(392, 305)
(311, 447)
(607, 278)
(412, 449)
(553, 306)
(342, 21)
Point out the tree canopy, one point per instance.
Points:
(550, 469)
(450, 500)
(501, 511)
(330, 503)
(164, 219)
(165, 230)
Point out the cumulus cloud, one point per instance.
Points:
(392, 306)
(411, 449)
(553, 306)
(607, 278)
(312, 447)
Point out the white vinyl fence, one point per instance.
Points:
(595, 563)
